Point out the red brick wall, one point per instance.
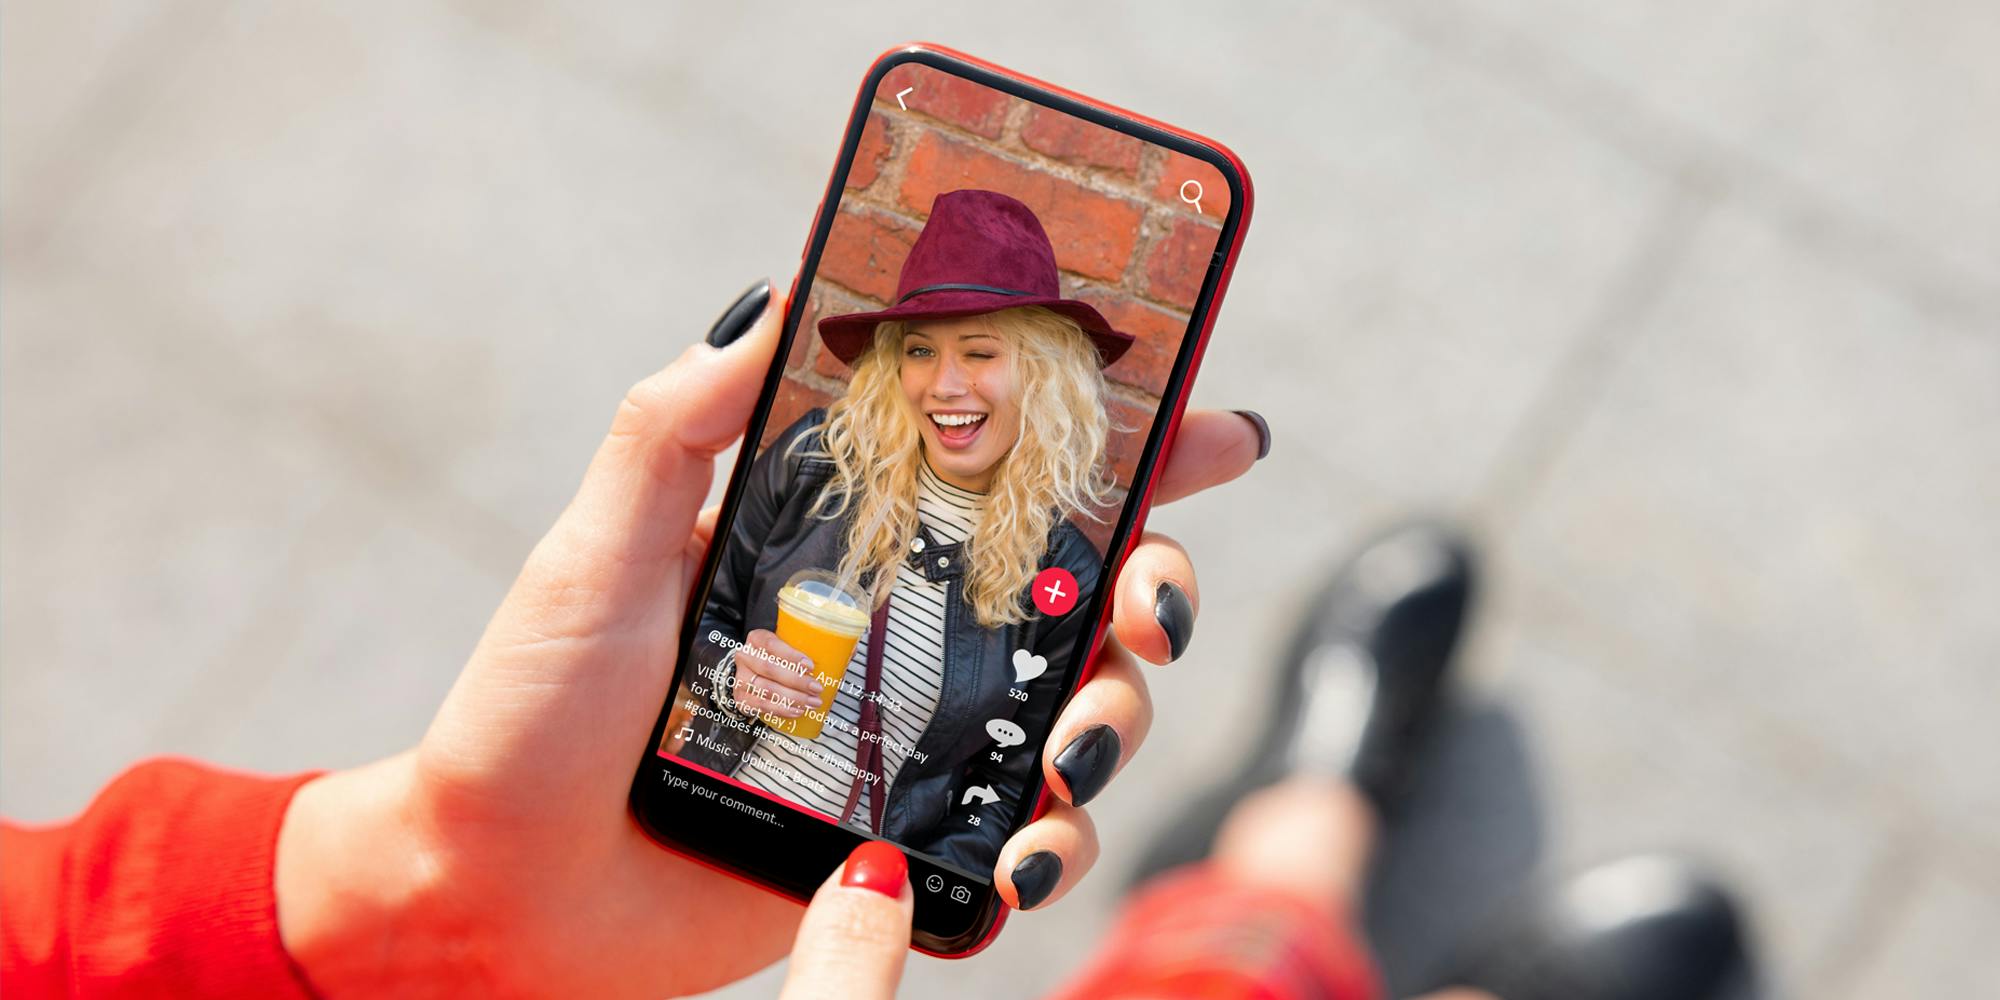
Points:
(1124, 239)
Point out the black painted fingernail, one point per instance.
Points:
(1175, 615)
(1263, 431)
(738, 317)
(1035, 877)
(1086, 764)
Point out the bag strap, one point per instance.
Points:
(867, 751)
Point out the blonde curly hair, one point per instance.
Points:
(1055, 469)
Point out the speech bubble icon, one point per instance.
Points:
(1006, 733)
(1028, 666)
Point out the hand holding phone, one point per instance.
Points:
(851, 943)
(772, 678)
(1002, 307)
(500, 850)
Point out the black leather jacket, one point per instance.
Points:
(773, 536)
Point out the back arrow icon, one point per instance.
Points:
(899, 97)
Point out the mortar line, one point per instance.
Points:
(1601, 108)
(228, 684)
(149, 59)
(1888, 892)
(1529, 453)
(417, 490)
(1783, 743)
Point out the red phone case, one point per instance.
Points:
(1171, 407)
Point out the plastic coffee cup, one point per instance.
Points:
(823, 620)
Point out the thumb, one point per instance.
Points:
(856, 934)
(573, 665)
(615, 557)
(645, 486)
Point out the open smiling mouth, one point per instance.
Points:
(957, 430)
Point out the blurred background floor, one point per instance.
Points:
(311, 318)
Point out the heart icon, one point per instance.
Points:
(1028, 666)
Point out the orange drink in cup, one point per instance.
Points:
(823, 620)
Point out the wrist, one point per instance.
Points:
(726, 676)
(359, 889)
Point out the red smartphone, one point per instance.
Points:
(1001, 309)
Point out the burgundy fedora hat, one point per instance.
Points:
(980, 252)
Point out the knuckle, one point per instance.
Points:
(646, 404)
(867, 924)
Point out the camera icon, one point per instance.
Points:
(960, 894)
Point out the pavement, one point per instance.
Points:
(310, 317)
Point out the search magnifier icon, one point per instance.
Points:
(1192, 199)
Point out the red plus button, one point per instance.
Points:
(1055, 591)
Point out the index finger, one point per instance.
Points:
(769, 642)
(856, 934)
(1210, 448)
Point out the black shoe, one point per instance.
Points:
(1645, 928)
(1368, 663)
(1362, 678)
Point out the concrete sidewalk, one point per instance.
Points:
(312, 317)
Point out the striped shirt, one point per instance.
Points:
(818, 773)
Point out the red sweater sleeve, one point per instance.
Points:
(163, 887)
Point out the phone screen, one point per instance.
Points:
(996, 317)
